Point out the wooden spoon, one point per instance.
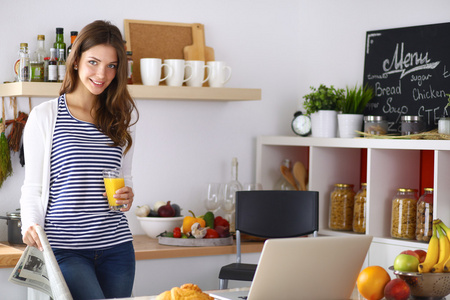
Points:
(288, 176)
(299, 171)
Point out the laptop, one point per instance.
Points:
(306, 268)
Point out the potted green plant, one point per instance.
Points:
(356, 99)
(352, 107)
(322, 98)
(322, 104)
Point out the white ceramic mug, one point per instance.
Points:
(151, 71)
(220, 73)
(177, 77)
(197, 73)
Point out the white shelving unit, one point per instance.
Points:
(137, 91)
(391, 164)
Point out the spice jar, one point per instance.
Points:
(359, 210)
(424, 217)
(376, 125)
(341, 207)
(403, 222)
(412, 125)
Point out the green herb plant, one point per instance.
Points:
(323, 98)
(356, 99)
(5, 158)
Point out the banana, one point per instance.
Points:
(432, 253)
(444, 251)
(447, 231)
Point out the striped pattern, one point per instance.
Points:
(78, 216)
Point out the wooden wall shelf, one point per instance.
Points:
(49, 89)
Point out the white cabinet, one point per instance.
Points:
(391, 164)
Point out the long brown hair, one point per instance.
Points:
(114, 113)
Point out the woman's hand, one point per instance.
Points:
(124, 196)
(31, 237)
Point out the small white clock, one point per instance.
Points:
(301, 124)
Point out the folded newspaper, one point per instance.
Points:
(39, 270)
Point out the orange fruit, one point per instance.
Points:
(371, 282)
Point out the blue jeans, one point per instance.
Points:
(98, 274)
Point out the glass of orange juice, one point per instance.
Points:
(114, 180)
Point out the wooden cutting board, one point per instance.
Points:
(154, 39)
(198, 50)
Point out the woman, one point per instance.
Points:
(67, 143)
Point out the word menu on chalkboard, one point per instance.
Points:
(409, 70)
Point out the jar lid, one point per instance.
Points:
(363, 184)
(373, 118)
(428, 189)
(406, 190)
(411, 118)
(343, 185)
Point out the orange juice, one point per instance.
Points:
(111, 186)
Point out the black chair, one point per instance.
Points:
(270, 214)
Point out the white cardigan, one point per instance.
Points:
(37, 140)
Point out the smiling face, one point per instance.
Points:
(97, 68)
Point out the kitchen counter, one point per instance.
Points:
(145, 248)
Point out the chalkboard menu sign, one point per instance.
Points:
(409, 70)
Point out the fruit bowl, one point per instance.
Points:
(153, 226)
(426, 286)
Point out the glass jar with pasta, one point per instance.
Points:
(341, 207)
(424, 219)
(359, 210)
(404, 207)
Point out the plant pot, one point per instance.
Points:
(324, 123)
(348, 123)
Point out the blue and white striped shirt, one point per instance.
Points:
(78, 216)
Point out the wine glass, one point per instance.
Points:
(229, 201)
(252, 186)
(213, 198)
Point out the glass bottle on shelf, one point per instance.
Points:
(73, 36)
(229, 198)
(404, 209)
(24, 73)
(424, 217)
(37, 60)
(282, 183)
(359, 210)
(342, 200)
(59, 43)
(52, 66)
(129, 67)
(46, 60)
(61, 66)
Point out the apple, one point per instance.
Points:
(406, 263)
(422, 254)
(411, 252)
(397, 289)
